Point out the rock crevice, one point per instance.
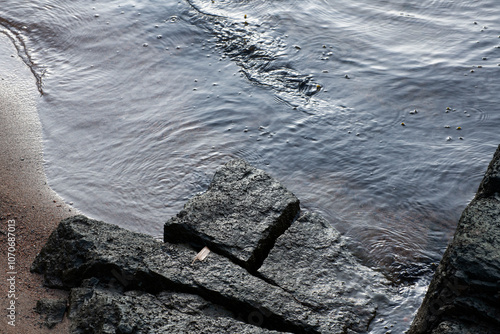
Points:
(267, 272)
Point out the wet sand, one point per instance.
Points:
(28, 207)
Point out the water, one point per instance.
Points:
(142, 101)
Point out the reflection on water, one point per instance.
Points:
(380, 115)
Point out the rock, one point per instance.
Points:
(81, 248)
(464, 294)
(268, 273)
(140, 312)
(311, 261)
(240, 216)
(52, 309)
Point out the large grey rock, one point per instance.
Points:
(311, 261)
(240, 216)
(82, 248)
(464, 294)
(97, 309)
(308, 281)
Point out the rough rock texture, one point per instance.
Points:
(240, 216)
(303, 261)
(140, 312)
(464, 295)
(82, 248)
(52, 309)
(309, 282)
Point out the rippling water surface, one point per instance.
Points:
(381, 115)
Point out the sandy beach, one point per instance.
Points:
(29, 209)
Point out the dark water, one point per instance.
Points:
(142, 101)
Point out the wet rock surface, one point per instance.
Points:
(308, 283)
(464, 295)
(240, 216)
(302, 262)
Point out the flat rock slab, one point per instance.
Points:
(81, 248)
(240, 216)
(311, 261)
(265, 272)
(140, 312)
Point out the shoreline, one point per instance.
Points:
(29, 209)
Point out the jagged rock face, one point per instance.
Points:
(464, 295)
(308, 282)
(240, 215)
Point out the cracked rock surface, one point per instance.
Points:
(306, 280)
(240, 215)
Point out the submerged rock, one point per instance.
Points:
(265, 273)
(464, 295)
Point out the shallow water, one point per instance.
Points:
(142, 101)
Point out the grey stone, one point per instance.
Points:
(464, 294)
(97, 309)
(267, 273)
(240, 216)
(311, 261)
(82, 248)
(52, 309)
